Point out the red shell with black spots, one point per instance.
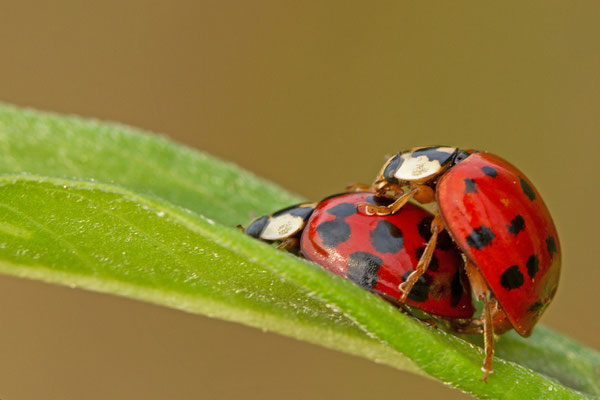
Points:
(379, 252)
(500, 222)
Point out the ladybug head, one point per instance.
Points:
(420, 165)
(462, 154)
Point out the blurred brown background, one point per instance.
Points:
(311, 95)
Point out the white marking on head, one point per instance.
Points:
(417, 168)
(416, 165)
(448, 150)
(282, 226)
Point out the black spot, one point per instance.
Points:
(551, 245)
(444, 242)
(420, 290)
(480, 237)
(433, 264)
(256, 227)
(387, 237)
(432, 154)
(536, 306)
(391, 168)
(379, 200)
(333, 232)
(527, 189)
(512, 278)
(532, 265)
(362, 269)
(424, 228)
(470, 186)
(456, 290)
(516, 225)
(489, 171)
(342, 210)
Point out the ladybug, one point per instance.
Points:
(497, 219)
(376, 252)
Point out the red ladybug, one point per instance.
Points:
(377, 253)
(498, 220)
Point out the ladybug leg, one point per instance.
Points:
(437, 225)
(471, 327)
(289, 243)
(482, 293)
(499, 319)
(488, 337)
(393, 208)
(358, 187)
(388, 189)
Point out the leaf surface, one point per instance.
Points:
(71, 147)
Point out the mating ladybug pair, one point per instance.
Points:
(490, 234)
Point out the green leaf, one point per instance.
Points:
(138, 236)
(44, 144)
